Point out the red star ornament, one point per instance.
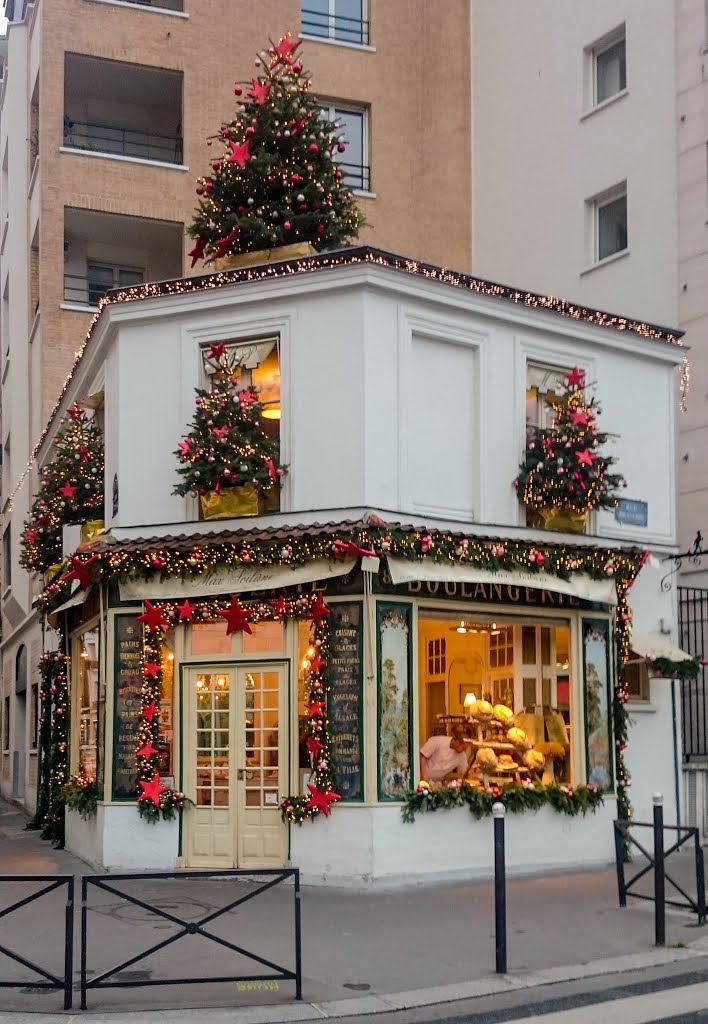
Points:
(586, 458)
(246, 398)
(314, 746)
(316, 709)
(239, 153)
(151, 669)
(149, 711)
(320, 799)
(197, 250)
(220, 432)
(575, 378)
(79, 571)
(259, 91)
(236, 618)
(317, 664)
(152, 616)
(76, 412)
(318, 610)
(579, 418)
(223, 245)
(31, 536)
(185, 611)
(285, 49)
(67, 490)
(184, 448)
(216, 350)
(146, 751)
(280, 606)
(151, 790)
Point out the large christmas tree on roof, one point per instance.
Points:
(277, 182)
(564, 469)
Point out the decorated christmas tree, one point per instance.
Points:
(71, 491)
(228, 445)
(563, 468)
(277, 182)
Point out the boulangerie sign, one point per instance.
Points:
(238, 580)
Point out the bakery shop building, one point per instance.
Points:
(283, 670)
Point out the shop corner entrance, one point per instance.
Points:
(235, 745)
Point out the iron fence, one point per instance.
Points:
(115, 885)
(47, 980)
(693, 632)
(105, 138)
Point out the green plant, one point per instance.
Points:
(81, 794)
(517, 797)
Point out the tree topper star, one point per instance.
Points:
(575, 378)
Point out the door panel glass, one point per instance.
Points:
(261, 724)
(212, 754)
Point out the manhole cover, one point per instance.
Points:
(357, 986)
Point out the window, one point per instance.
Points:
(636, 679)
(436, 657)
(102, 277)
(353, 129)
(610, 69)
(6, 559)
(341, 20)
(34, 716)
(86, 703)
(542, 384)
(610, 224)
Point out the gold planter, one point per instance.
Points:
(92, 529)
(274, 255)
(562, 520)
(52, 572)
(231, 503)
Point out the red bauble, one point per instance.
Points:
(287, 225)
(215, 165)
(250, 130)
(238, 90)
(341, 147)
(199, 190)
(313, 147)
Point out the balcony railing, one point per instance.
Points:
(103, 138)
(166, 5)
(356, 175)
(335, 26)
(81, 292)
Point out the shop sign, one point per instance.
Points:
(238, 580)
(128, 660)
(345, 697)
(632, 513)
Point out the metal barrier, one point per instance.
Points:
(50, 981)
(657, 861)
(108, 884)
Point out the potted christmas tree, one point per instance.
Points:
(564, 474)
(277, 182)
(71, 491)
(228, 458)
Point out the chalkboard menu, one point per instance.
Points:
(345, 698)
(128, 677)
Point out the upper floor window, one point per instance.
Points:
(101, 277)
(353, 127)
(636, 678)
(341, 20)
(610, 69)
(6, 559)
(608, 215)
(543, 383)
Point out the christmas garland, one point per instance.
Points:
(517, 797)
(52, 747)
(665, 668)
(156, 800)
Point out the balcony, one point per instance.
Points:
(158, 5)
(104, 251)
(127, 111)
(339, 20)
(357, 176)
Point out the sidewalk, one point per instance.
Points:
(362, 952)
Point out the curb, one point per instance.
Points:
(372, 1005)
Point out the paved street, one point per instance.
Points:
(363, 952)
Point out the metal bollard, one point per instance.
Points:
(498, 811)
(659, 875)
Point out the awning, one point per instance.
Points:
(655, 645)
(77, 598)
(238, 580)
(579, 585)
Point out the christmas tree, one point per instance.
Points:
(71, 491)
(278, 181)
(563, 467)
(228, 445)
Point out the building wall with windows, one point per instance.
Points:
(575, 151)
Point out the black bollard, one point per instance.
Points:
(659, 876)
(498, 811)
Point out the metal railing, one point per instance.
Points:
(105, 138)
(115, 885)
(167, 5)
(693, 633)
(80, 291)
(356, 175)
(47, 979)
(335, 26)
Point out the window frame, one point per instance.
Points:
(643, 698)
(91, 625)
(594, 51)
(600, 51)
(332, 109)
(330, 29)
(594, 205)
(116, 269)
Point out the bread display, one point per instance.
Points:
(518, 737)
(486, 760)
(503, 714)
(534, 760)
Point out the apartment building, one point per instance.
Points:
(105, 109)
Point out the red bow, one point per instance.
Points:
(341, 548)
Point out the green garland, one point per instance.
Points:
(516, 797)
(81, 794)
(686, 670)
(52, 748)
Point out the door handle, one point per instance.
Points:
(240, 773)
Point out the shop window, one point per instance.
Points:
(636, 680)
(86, 719)
(166, 745)
(610, 68)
